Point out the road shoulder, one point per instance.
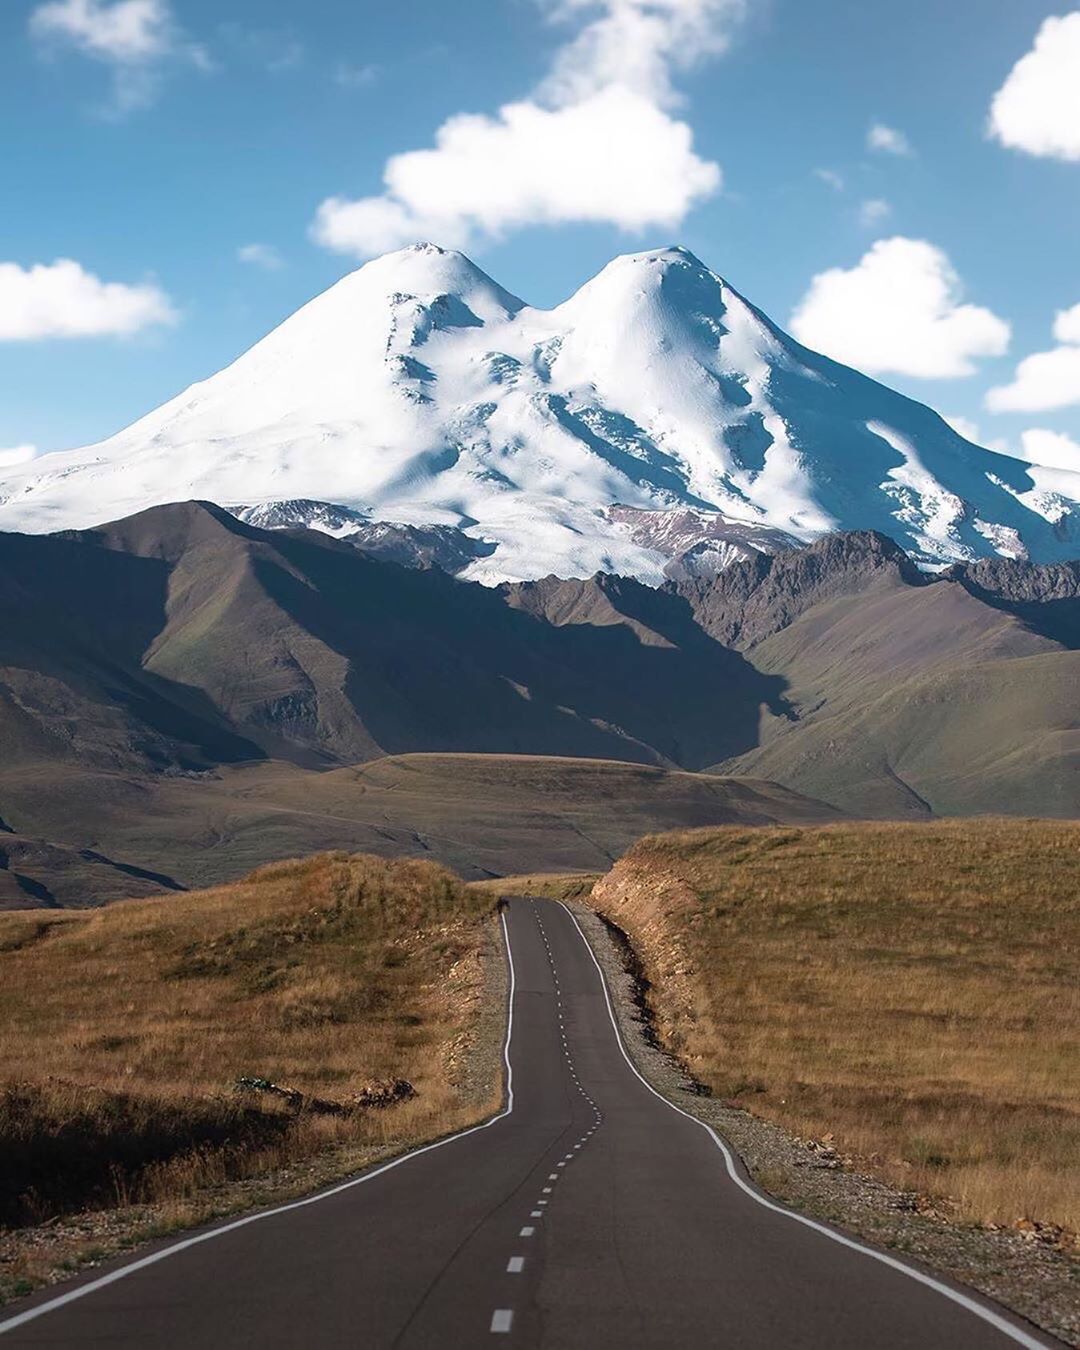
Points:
(1039, 1282)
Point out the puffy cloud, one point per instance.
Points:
(1037, 109)
(63, 300)
(874, 211)
(1067, 325)
(134, 37)
(265, 256)
(898, 310)
(614, 157)
(887, 140)
(1051, 449)
(636, 43)
(126, 30)
(16, 455)
(1045, 380)
(597, 142)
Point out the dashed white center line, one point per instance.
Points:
(515, 1265)
(536, 1214)
(527, 1231)
(547, 1191)
(502, 1319)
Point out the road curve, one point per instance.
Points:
(589, 1213)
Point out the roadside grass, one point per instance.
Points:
(551, 885)
(124, 1030)
(907, 993)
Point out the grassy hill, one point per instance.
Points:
(906, 990)
(481, 815)
(920, 699)
(126, 1030)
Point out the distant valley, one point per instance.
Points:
(187, 695)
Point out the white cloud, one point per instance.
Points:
(1045, 380)
(831, 177)
(888, 140)
(1067, 325)
(874, 211)
(126, 30)
(134, 37)
(17, 454)
(898, 310)
(1050, 448)
(1037, 109)
(63, 300)
(265, 256)
(597, 142)
(615, 157)
(636, 43)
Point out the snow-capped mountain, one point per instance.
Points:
(654, 414)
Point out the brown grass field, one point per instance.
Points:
(908, 992)
(551, 885)
(123, 1030)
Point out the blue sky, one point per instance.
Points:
(150, 141)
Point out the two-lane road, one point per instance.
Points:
(590, 1213)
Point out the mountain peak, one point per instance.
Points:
(673, 273)
(426, 272)
(418, 391)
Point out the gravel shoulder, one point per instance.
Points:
(1020, 1270)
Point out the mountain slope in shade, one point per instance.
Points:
(192, 695)
(907, 695)
(181, 638)
(417, 391)
(903, 694)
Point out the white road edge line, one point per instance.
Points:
(971, 1305)
(31, 1314)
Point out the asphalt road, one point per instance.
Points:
(591, 1213)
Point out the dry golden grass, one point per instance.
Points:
(551, 885)
(123, 1030)
(911, 990)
